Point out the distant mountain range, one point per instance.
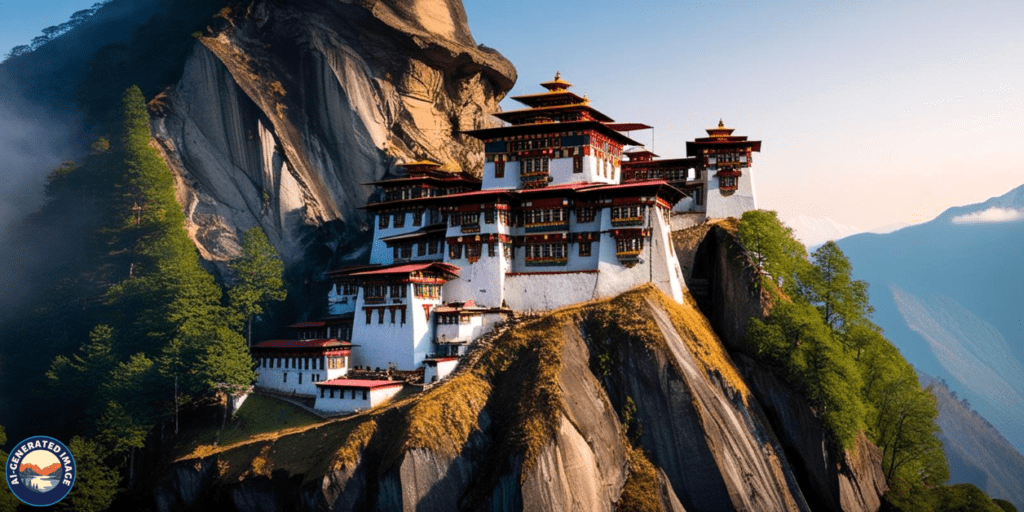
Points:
(814, 232)
(976, 451)
(33, 469)
(950, 294)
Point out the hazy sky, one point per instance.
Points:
(871, 113)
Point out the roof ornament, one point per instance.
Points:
(720, 123)
(558, 75)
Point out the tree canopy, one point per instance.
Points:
(820, 338)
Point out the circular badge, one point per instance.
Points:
(40, 471)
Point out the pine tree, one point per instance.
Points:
(257, 278)
(841, 300)
(95, 483)
(771, 246)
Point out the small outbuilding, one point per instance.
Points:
(352, 395)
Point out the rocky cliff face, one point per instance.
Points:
(286, 109)
(561, 412)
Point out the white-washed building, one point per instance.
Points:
(296, 366)
(557, 218)
(354, 395)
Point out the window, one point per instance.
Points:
(285, 375)
(322, 393)
(400, 219)
(454, 251)
(380, 315)
(585, 214)
(546, 254)
(392, 315)
(417, 218)
(473, 252)
(278, 362)
(332, 392)
(584, 248)
(403, 315)
(629, 245)
(489, 217)
(369, 315)
(499, 169)
(306, 361)
(406, 250)
(364, 394)
(577, 164)
(492, 249)
(300, 377)
(382, 220)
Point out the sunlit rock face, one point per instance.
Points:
(282, 116)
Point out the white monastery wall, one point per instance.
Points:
(481, 281)
(438, 370)
(346, 403)
(387, 342)
(274, 378)
(339, 304)
(595, 173)
(742, 200)
(539, 292)
(380, 252)
(510, 181)
(462, 332)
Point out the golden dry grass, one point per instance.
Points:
(444, 417)
(631, 313)
(349, 453)
(642, 492)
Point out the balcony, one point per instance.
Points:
(546, 262)
(627, 221)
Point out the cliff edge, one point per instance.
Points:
(285, 110)
(624, 403)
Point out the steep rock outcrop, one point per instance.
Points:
(284, 113)
(717, 272)
(850, 480)
(544, 416)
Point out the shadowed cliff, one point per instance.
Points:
(286, 110)
(631, 403)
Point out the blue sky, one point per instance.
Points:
(871, 112)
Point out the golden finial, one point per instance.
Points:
(720, 123)
(558, 75)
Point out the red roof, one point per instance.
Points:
(650, 183)
(439, 359)
(360, 383)
(564, 186)
(321, 343)
(376, 270)
(490, 191)
(409, 268)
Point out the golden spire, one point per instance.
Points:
(558, 75)
(720, 123)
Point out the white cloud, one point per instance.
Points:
(993, 214)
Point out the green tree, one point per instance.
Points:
(841, 300)
(796, 341)
(771, 246)
(95, 483)
(257, 278)
(8, 503)
(903, 423)
(77, 378)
